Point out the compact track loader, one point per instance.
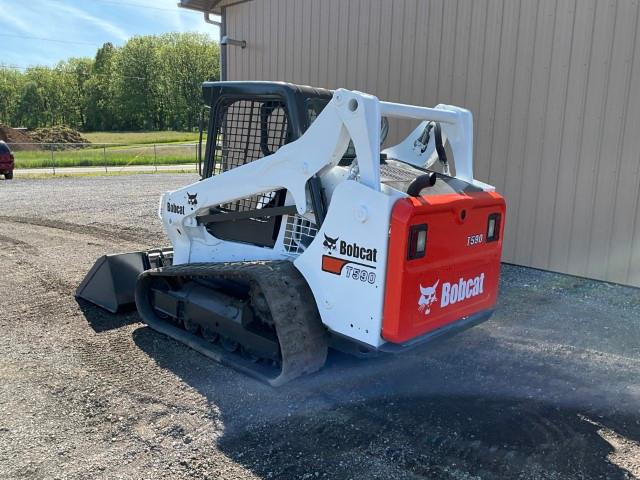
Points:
(303, 235)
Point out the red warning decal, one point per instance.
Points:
(333, 265)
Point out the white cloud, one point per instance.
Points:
(11, 17)
(78, 14)
(89, 23)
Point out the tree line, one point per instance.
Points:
(150, 83)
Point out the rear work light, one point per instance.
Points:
(417, 241)
(493, 227)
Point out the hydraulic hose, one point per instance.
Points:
(423, 181)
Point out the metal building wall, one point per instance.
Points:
(554, 86)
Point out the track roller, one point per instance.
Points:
(257, 317)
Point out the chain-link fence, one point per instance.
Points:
(104, 156)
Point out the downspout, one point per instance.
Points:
(222, 25)
(223, 48)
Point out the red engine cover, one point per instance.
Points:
(458, 275)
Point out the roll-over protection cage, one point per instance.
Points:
(248, 121)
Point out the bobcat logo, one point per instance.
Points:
(427, 297)
(329, 243)
(192, 199)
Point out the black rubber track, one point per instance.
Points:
(301, 334)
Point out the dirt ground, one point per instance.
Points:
(547, 389)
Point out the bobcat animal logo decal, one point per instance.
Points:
(329, 243)
(192, 199)
(427, 297)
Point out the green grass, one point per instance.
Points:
(166, 154)
(37, 176)
(138, 138)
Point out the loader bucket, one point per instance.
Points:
(111, 282)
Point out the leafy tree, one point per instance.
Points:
(100, 112)
(30, 105)
(11, 83)
(151, 82)
(189, 59)
(74, 75)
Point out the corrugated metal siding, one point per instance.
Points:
(554, 86)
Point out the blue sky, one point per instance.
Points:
(76, 28)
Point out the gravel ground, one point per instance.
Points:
(547, 389)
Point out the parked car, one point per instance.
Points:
(7, 163)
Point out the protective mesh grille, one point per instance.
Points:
(247, 130)
(397, 171)
(298, 234)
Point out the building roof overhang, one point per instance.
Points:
(209, 6)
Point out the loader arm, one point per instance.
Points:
(349, 116)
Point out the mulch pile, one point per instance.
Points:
(67, 137)
(16, 137)
(64, 137)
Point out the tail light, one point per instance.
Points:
(417, 241)
(493, 227)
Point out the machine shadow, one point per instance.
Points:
(101, 321)
(362, 419)
(432, 437)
